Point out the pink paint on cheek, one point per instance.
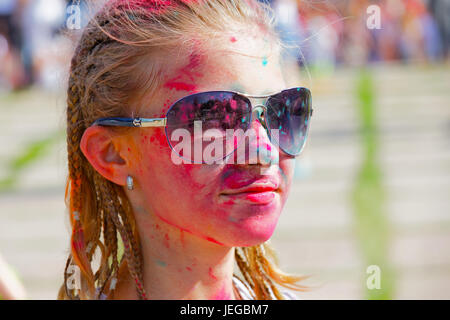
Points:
(211, 274)
(160, 137)
(186, 230)
(187, 168)
(171, 224)
(233, 39)
(213, 240)
(166, 241)
(182, 238)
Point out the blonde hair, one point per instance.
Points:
(105, 75)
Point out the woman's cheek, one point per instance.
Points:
(286, 171)
(197, 182)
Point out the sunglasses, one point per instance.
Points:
(286, 113)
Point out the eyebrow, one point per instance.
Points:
(239, 88)
(269, 92)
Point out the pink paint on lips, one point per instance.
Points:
(262, 197)
(237, 179)
(243, 185)
(257, 197)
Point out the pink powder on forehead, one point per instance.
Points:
(185, 78)
(153, 6)
(180, 86)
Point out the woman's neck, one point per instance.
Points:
(179, 265)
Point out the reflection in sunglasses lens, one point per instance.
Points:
(217, 112)
(289, 112)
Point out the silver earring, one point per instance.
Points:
(130, 184)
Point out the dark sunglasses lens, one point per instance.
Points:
(197, 125)
(289, 113)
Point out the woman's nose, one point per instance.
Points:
(256, 147)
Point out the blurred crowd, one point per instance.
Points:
(29, 40)
(330, 33)
(33, 34)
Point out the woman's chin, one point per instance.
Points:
(242, 224)
(251, 231)
(250, 240)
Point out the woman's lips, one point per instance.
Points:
(256, 192)
(249, 186)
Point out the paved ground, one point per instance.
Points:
(316, 233)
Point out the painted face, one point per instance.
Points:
(228, 204)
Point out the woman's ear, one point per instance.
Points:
(104, 153)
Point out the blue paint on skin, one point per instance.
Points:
(283, 175)
(227, 174)
(265, 155)
(161, 263)
(265, 61)
(141, 210)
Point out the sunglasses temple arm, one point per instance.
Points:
(156, 122)
(130, 122)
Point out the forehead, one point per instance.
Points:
(246, 64)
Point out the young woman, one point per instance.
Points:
(155, 220)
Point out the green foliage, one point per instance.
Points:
(368, 197)
(34, 151)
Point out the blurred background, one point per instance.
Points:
(371, 190)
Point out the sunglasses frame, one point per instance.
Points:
(162, 122)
